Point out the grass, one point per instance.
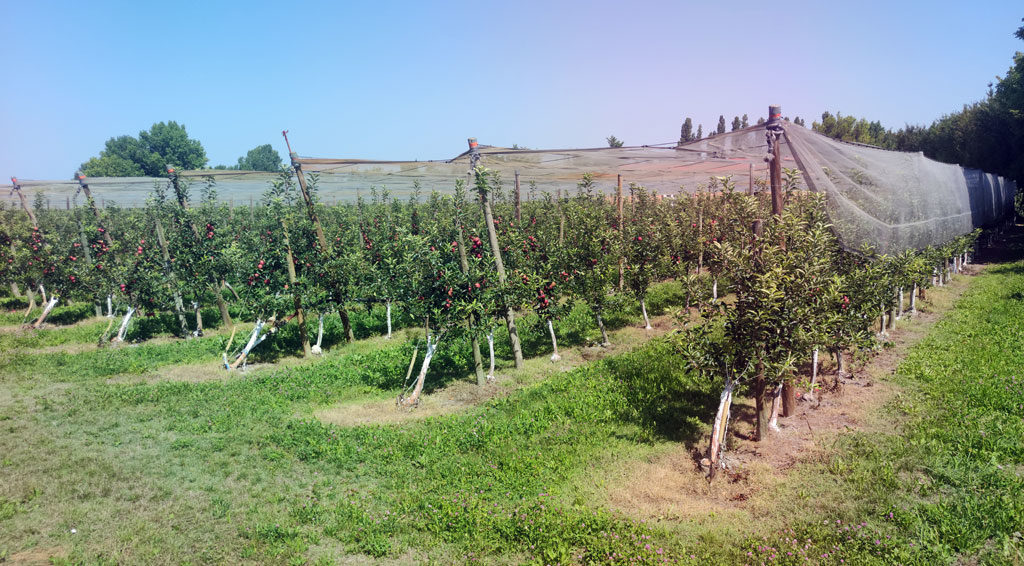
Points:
(239, 471)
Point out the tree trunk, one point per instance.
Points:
(110, 307)
(254, 339)
(913, 300)
(123, 330)
(15, 291)
(319, 336)
(42, 293)
(346, 324)
(839, 362)
(899, 311)
(31, 299)
(788, 398)
(643, 309)
(414, 399)
(490, 346)
(199, 319)
(510, 317)
(762, 404)
(179, 307)
(46, 312)
(300, 314)
(714, 290)
(389, 319)
(776, 402)
(554, 343)
(471, 322)
(604, 334)
(719, 430)
(222, 306)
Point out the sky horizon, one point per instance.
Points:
(405, 80)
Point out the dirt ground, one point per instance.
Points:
(672, 486)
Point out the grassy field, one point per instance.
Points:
(103, 461)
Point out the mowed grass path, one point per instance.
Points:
(238, 470)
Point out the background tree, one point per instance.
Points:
(736, 123)
(745, 122)
(700, 131)
(614, 141)
(721, 125)
(164, 143)
(686, 132)
(261, 158)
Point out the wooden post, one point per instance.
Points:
(84, 187)
(24, 205)
(485, 203)
(67, 203)
(519, 211)
(321, 238)
(622, 233)
(460, 240)
(773, 131)
(179, 308)
(300, 315)
(750, 183)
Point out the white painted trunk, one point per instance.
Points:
(254, 339)
(814, 368)
(490, 346)
(110, 307)
(776, 403)
(123, 329)
(46, 311)
(604, 334)
(913, 300)
(714, 289)
(554, 343)
(389, 318)
(899, 310)
(643, 308)
(319, 337)
(42, 291)
(414, 399)
(720, 429)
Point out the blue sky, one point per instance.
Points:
(412, 80)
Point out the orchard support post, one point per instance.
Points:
(485, 203)
(84, 187)
(478, 361)
(179, 308)
(622, 232)
(519, 201)
(315, 219)
(214, 286)
(292, 279)
(16, 188)
(773, 134)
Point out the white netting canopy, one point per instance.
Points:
(887, 200)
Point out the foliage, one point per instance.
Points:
(165, 143)
(614, 141)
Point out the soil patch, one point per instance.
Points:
(672, 486)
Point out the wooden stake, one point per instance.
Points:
(622, 233)
(519, 212)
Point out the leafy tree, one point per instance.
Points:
(261, 158)
(736, 123)
(721, 125)
(760, 121)
(686, 132)
(744, 122)
(614, 141)
(700, 131)
(163, 144)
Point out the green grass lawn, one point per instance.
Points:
(238, 470)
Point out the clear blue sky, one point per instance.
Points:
(412, 80)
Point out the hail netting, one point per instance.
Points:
(889, 201)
